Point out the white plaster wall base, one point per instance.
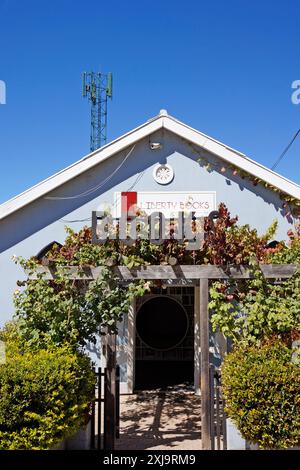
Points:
(81, 440)
(236, 442)
(234, 438)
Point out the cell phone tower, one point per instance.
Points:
(97, 87)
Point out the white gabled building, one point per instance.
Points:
(167, 163)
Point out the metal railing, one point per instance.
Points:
(218, 416)
(99, 427)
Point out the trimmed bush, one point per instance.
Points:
(44, 397)
(261, 387)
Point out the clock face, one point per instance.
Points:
(163, 174)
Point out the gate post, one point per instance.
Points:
(110, 393)
(205, 382)
(197, 345)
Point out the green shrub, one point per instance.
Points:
(261, 387)
(44, 396)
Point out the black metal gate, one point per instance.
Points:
(105, 420)
(217, 413)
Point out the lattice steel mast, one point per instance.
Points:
(97, 87)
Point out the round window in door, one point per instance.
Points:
(161, 323)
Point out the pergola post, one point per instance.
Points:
(110, 393)
(205, 383)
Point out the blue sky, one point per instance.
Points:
(225, 68)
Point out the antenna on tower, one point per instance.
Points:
(97, 87)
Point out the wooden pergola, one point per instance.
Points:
(197, 275)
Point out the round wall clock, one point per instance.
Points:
(163, 173)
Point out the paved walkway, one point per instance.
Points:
(160, 420)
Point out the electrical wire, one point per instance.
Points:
(95, 188)
(88, 219)
(285, 150)
(130, 188)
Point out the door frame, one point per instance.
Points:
(129, 386)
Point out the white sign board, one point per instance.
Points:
(170, 203)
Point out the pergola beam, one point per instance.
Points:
(166, 272)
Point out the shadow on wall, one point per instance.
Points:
(243, 183)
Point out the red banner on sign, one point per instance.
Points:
(128, 203)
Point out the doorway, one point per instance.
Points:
(164, 355)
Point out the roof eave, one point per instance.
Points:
(213, 146)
